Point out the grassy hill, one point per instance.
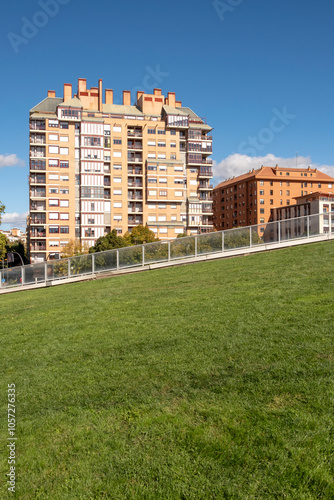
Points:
(206, 381)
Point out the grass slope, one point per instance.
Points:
(207, 381)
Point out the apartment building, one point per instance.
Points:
(97, 166)
(251, 198)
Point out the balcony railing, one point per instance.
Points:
(135, 146)
(135, 171)
(38, 194)
(200, 149)
(37, 126)
(135, 196)
(133, 222)
(205, 172)
(37, 140)
(135, 184)
(38, 234)
(37, 247)
(37, 154)
(135, 134)
(36, 180)
(38, 220)
(135, 159)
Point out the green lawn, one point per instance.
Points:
(206, 381)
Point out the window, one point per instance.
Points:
(178, 169)
(117, 191)
(92, 206)
(54, 243)
(117, 167)
(117, 180)
(173, 144)
(64, 178)
(63, 151)
(117, 141)
(53, 190)
(261, 220)
(261, 192)
(151, 130)
(53, 229)
(64, 203)
(152, 192)
(151, 167)
(261, 201)
(53, 149)
(288, 192)
(53, 123)
(117, 217)
(63, 125)
(261, 210)
(64, 229)
(162, 156)
(161, 144)
(271, 192)
(117, 129)
(161, 132)
(271, 183)
(163, 193)
(117, 154)
(281, 192)
(53, 177)
(152, 218)
(152, 180)
(151, 155)
(64, 191)
(161, 205)
(162, 180)
(53, 203)
(151, 143)
(64, 138)
(261, 183)
(53, 215)
(53, 137)
(70, 113)
(173, 157)
(64, 216)
(163, 168)
(178, 193)
(162, 218)
(172, 132)
(63, 164)
(118, 205)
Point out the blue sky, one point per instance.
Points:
(260, 72)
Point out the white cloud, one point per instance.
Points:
(15, 219)
(238, 164)
(10, 161)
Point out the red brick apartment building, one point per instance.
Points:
(250, 198)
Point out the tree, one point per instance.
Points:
(109, 242)
(18, 247)
(73, 248)
(2, 210)
(139, 235)
(3, 246)
(182, 235)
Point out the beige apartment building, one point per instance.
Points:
(97, 166)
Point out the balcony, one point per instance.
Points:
(37, 139)
(37, 206)
(135, 222)
(200, 149)
(132, 196)
(135, 171)
(135, 184)
(135, 132)
(38, 220)
(37, 165)
(37, 233)
(205, 197)
(197, 159)
(135, 158)
(34, 153)
(106, 182)
(207, 209)
(205, 185)
(38, 247)
(38, 180)
(135, 209)
(38, 193)
(37, 125)
(205, 172)
(135, 145)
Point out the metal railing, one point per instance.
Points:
(277, 232)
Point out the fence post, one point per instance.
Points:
(250, 236)
(168, 251)
(0, 279)
(196, 237)
(117, 259)
(22, 275)
(45, 272)
(69, 267)
(308, 226)
(93, 263)
(222, 241)
(143, 253)
(279, 231)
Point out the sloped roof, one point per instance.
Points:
(48, 105)
(72, 103)
(174, 111)
(121, 109)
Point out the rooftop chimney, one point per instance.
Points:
(126, 98)
(67, 91)
(109, 96)
(51, 93)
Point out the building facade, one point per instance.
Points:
(97, 166)
(251, 198)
